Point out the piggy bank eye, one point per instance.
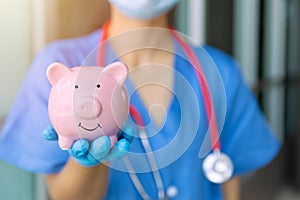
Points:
(98, 85)
(76, 86)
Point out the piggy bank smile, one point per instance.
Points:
(89, 129)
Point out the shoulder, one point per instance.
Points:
(224, 62)
(227, 67)
(70, 51)
(217, 53)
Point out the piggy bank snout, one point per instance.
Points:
(88, 108)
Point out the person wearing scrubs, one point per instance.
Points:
(161, 154)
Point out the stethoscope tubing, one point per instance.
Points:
(209, 109)
(197, 67)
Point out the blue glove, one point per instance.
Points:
(91, 154)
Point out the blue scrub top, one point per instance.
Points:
(245, 136)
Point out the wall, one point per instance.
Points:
(58, 19)
(15, 51)
(26, 27)
(15, 56)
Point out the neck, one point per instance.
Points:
(139, 41)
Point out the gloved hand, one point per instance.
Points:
(91, 154)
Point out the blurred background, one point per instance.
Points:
(262, 35)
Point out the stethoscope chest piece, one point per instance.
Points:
(217, 167)
(172, 191)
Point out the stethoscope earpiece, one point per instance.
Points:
(217, 167)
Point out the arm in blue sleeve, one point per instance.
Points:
(246, 136)
(21, 141)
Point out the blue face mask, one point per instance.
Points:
(143, 9)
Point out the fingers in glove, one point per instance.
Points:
(49, 133)
(79, 148)
(120, 149)
(99, 148)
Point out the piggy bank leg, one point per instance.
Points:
(65, 143)
(113, 140)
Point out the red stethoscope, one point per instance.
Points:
(217, 166)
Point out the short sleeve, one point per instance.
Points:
(246, 136)
(21, 140)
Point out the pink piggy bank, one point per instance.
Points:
(87, 102)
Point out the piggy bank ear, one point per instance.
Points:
(118, 70)
(55, 71)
